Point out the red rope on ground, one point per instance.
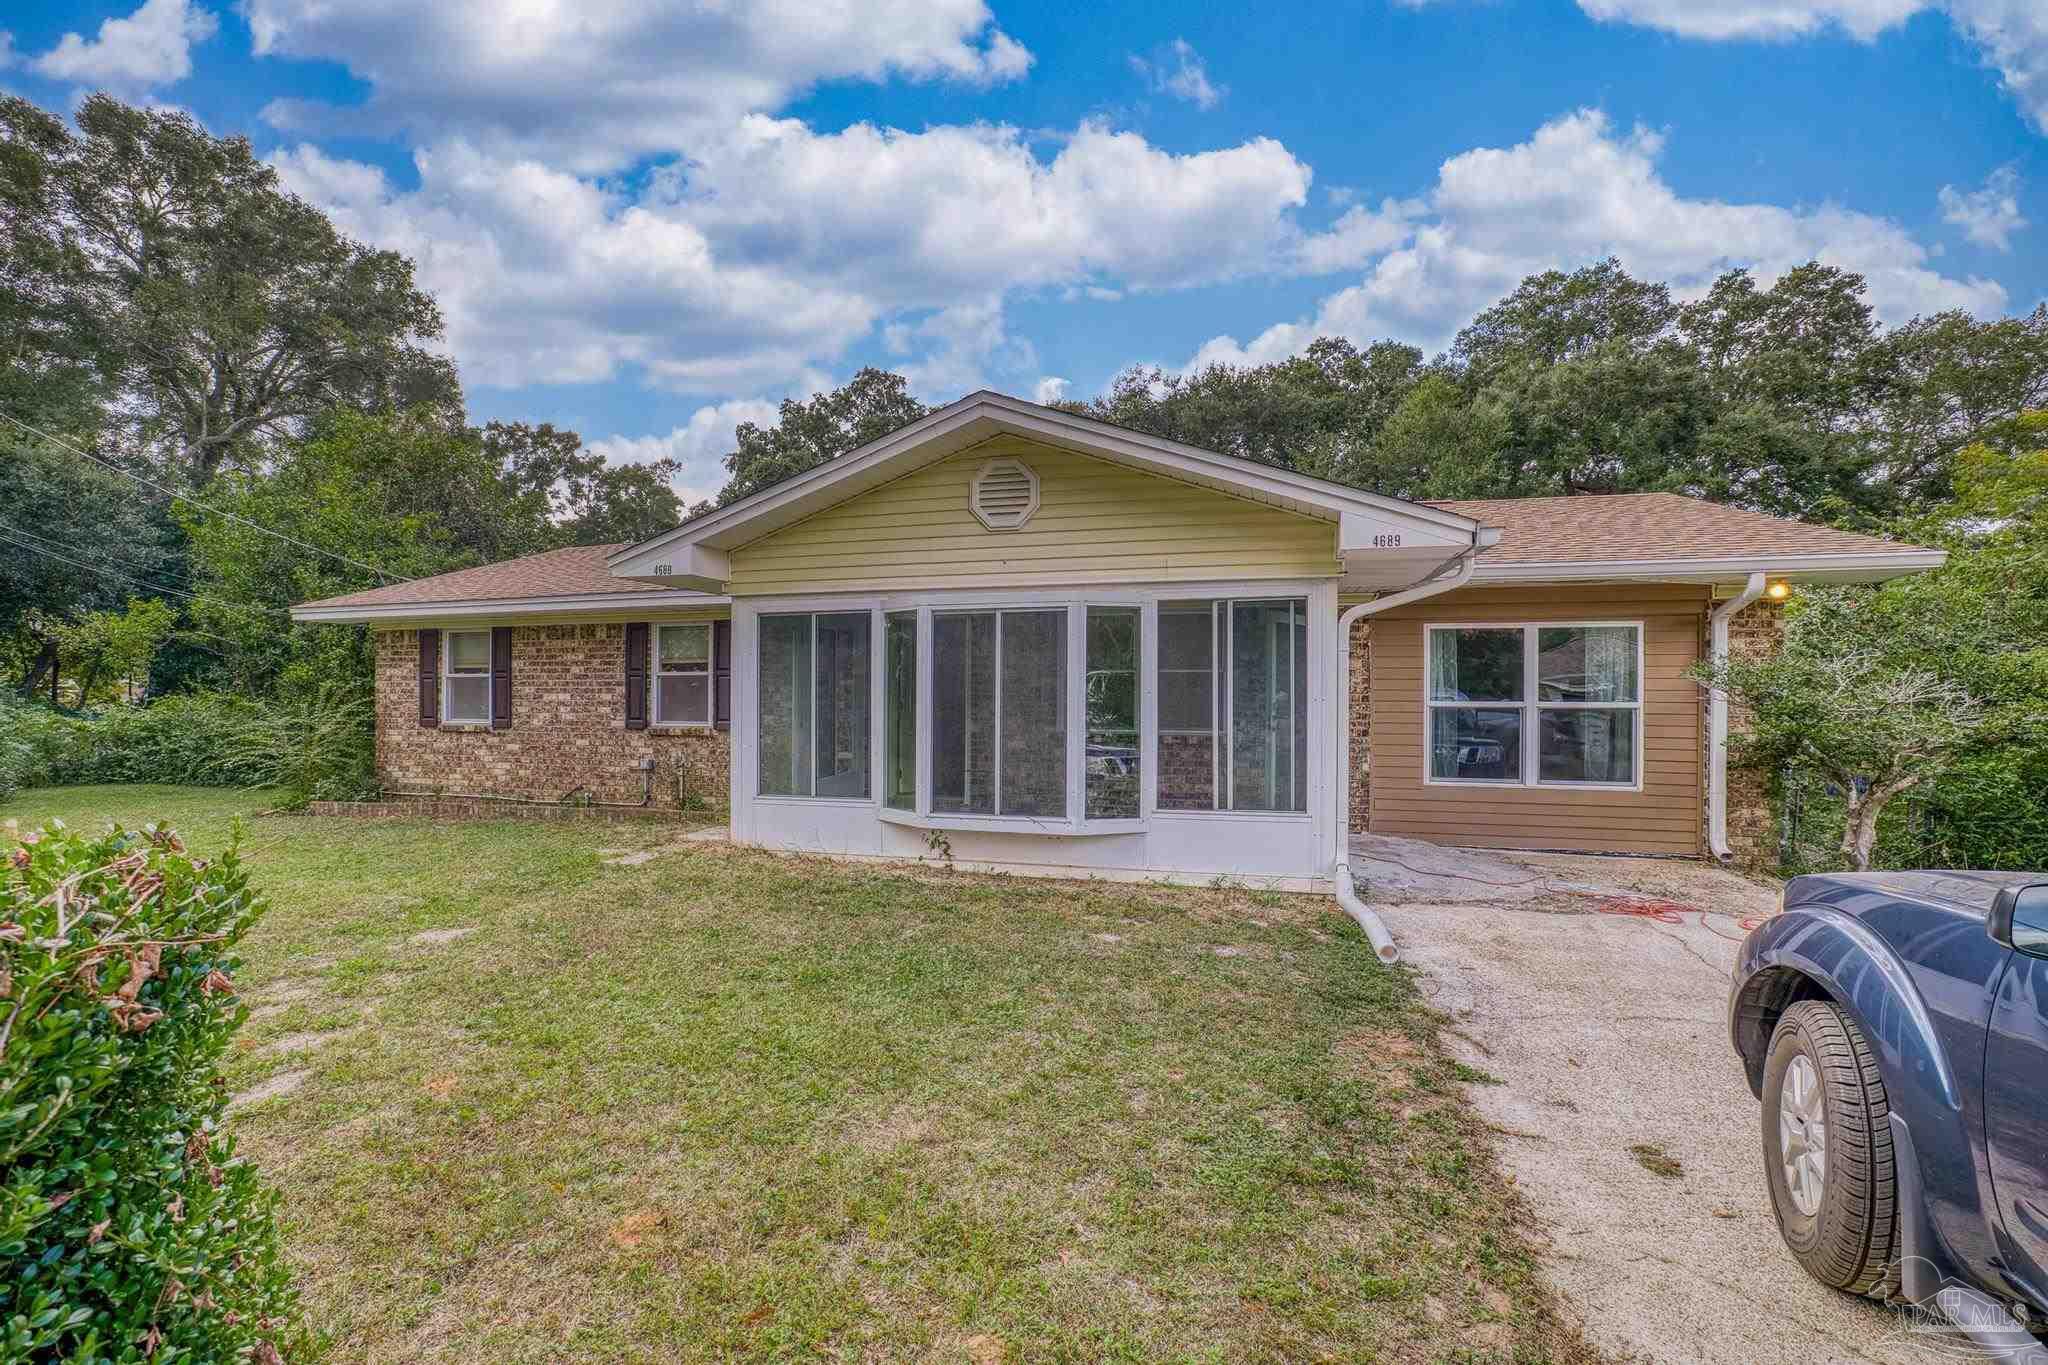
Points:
(1667, 912)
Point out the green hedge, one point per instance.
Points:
(319, 748)
(130, 1230)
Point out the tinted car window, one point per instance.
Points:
(2030, 920)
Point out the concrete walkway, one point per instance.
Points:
(1608, 1035)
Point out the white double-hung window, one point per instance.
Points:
(466, 678)
(682, 674)
(1535, 705)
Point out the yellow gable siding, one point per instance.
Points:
(1097, 522)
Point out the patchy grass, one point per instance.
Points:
(1653, 1158)
(725, 1104)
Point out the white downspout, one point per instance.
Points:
(1717, 719)
(1347, 897)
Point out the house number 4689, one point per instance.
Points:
(1386, 542)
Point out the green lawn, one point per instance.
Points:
(729, 1105)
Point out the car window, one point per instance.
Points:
(2030, 921)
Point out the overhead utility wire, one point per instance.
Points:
(186, 498)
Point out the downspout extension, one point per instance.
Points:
(1717, 719)
(1347, 895)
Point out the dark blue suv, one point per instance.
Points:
(1895, 1026)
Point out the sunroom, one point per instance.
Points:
(1019, 639)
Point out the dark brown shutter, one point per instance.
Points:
(430, 677)
(721, 674)
(636, 676)
(501, 677)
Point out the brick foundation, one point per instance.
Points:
(568, 729)
(451, 808)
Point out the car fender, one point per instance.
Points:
(1840, 957)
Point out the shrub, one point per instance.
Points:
(319, 748)
(129, 1228)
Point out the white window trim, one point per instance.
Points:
(708, 672)
(1223, 648)
(448, 672)
(1320, 594)
(875, 676)
(1531, 707)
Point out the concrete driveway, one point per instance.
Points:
(1608, 1037)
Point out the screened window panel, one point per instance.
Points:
(842, 705)
(899, 710)
(786, 698)
(469, 651)
(1475, 743)
(469, 698)
(686, 647)
(1268, 706)
(1032, 714)
(1587, 744)
(1114, 770)
(683, 699)
(1187, 706)
(963, 713)
(1475, 665)
(1586, 664)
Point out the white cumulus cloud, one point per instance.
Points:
(1576, 192)
(2012, 35)
(698, 445)
(592, 87)
(777, 246)
(1988, 216)
(1050, 389)
(151, 47)
(1178, 70)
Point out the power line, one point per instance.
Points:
(7, 536)
(168, 491)
(186, 579)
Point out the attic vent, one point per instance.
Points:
(1005, 494)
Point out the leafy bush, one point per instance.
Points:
(129, 1228)
(317, 749)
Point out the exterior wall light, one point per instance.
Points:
(1778, 591)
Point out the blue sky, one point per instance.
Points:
(647, 222)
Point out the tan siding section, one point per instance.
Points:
(1664, 817)
(1097, 522)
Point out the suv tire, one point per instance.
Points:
(1827, 1143)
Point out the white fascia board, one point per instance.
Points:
(1845, 568)
(982, 415)
(584, 604)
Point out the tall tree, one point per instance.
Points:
(222, 308)
(1557, 316)
(812, 432)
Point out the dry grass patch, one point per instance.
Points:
(733, 1106)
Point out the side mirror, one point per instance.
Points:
(2019, 918)
(1999, 926)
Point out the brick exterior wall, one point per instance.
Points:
(568, 728)
(1754, 632)
(1360, 645)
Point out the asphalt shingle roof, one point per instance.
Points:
(1628, 526)
(1648, 526)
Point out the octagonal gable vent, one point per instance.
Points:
(1005, 494)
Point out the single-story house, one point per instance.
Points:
(1027, 640)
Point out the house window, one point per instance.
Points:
(814, 690)
(1233, 705)
(1112, 757)
(999, 713)
(899, 710)
(466, 678)
(1535, 705)
(682, 674)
